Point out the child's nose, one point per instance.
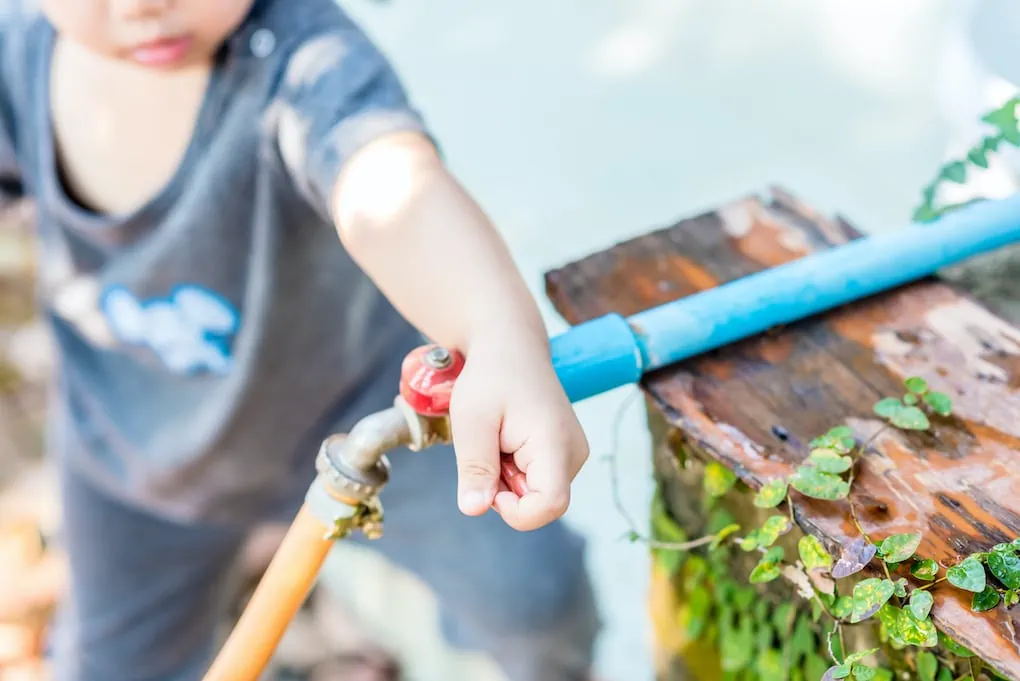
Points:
(139, 9)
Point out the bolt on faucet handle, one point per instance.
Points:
(427, 376)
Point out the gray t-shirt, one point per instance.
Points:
(206, 339)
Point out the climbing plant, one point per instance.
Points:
(1003, 121)
(780, 641)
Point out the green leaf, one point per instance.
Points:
(1006, 568)
(772, 529)
(718, 479)
(914, 632)
(813, 483)
(910, 399)
(1015, 544)
(839, 671)
(1004, 118)
(898, 547)
(924, 213)
(991, 142)
(968, 575)
(769, 665)
(1011, 598)
(666, 529)
(940, 403)
(722, 534)
(814, 667)
(736, 644)
(888, 407)
(830, 461)
(869, 596)
(910, 418)
(765, 571)
(812, 553)
(901, 587)
(954, 647)
(978, 156)
(843, 607)
(954, 172)
(986, 600)
(927, 665)
(699, 605)
(750, 541)
(916, 385)
(863, 672)
(926, 569)
(920, 603)
(945, 674)
(883, 674)
(771, 494)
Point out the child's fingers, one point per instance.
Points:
(476, 446)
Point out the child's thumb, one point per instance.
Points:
(476, 445)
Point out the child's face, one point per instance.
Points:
(155, 33)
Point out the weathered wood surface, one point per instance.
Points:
(755, 405)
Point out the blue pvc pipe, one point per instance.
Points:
(610, 351)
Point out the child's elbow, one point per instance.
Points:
(379, 187)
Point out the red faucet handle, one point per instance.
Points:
(427, 376)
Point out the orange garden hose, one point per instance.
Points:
(275, 601)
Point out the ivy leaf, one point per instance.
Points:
(940, 403)
(920, 603)
(954, 172)
(863, 672)
(839, 671)
(954, 647)
(842, 607)
(968, 575)
(853, 557)
(721, 536)
(830, 461)
(888, 407)
(812, 553)
(1011, 598)
(915, 632)
(869, 596)
(772, 529)
(978, 156)
(859, 655)
(916, 385)
(910, 418)
(926, 569)
(771, 494)
(901, 587)
(986, 600)
(1004, 118)
(718, 479)
(767, 568)
(816, 484)
(1006, 568)
(750, 541)
(927, 665)
(944, 674)
(898, 547)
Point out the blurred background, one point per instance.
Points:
(580, 123)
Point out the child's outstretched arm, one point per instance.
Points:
(432, 251)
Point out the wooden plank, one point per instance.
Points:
(756, 404)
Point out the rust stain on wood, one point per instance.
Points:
(958, 485)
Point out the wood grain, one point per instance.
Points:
(756, 404)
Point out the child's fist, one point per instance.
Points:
(508, 400)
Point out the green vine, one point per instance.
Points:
(901, 608)
(1007, 131)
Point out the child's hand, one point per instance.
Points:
(508, 399)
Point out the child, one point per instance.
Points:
(221, 187)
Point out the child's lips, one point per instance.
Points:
(162, 52)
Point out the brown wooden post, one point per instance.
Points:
(753, 407)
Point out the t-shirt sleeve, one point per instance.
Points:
(337, 93)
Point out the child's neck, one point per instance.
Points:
(121, 130)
